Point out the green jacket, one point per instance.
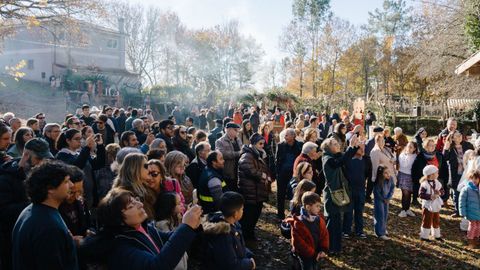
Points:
(333, 165)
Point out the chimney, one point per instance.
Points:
(121, 47)
(121, 25)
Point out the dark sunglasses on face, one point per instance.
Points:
(154, 174)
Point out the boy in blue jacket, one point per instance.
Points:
(469, 207)
(224, 244)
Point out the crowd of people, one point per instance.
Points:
(119, 189)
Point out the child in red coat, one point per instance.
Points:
(309, 232)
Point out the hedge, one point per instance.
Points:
(433, 126)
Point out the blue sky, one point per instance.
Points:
(263, 19)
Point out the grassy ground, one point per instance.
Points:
(26, 98)
(403, 251)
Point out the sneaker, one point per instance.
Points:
(439, 239)
(346, 236)
(403, 214)
(384, 237)
(425, 239)
(386, 232)
(410, 213)
(362, 236)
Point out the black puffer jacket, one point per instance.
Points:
(251, 169)
(450, 156)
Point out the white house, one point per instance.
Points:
(52, 49)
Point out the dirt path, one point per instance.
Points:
(403, 251)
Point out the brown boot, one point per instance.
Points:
(473, 243)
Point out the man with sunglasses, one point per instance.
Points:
(73, 122)
(166, 133)
(41, 120)
(101, 127)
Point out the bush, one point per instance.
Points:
(433, 126)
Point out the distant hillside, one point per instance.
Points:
(25, 99)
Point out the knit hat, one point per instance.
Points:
(40, 147)
(255, 138)
(378, 129)
(429, 170)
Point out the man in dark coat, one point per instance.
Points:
(101, 127)
(255, 120)
(211, 184)
(86, 115)
(13, 197)
(166, 133)
(287, 152)
(138, 127)
(41, 240)
(215, 133)
(198, 164)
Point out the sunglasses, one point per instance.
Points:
(40, 118)
(154, 174)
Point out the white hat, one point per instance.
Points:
(429, 169)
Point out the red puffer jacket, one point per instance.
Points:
(302, 239)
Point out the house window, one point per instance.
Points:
(112, 44)
(30, 64)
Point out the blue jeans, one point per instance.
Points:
(355, 213)
(334, 227)
(380, 212)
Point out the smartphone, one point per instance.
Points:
(97, 137)
(195, 197)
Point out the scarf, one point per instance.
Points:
(261, 153)
(305, 215)
(429, 156)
